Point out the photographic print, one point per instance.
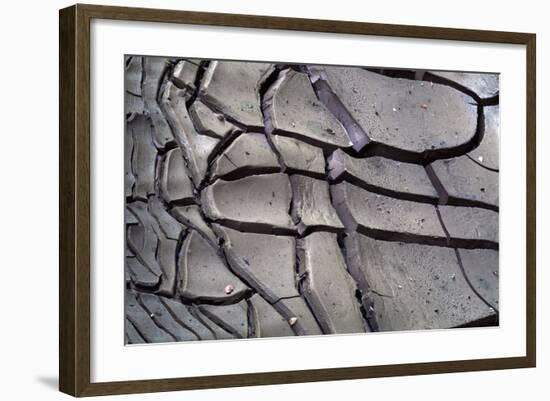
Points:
(277, 200)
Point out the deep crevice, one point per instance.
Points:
(487, 321)
(227, 117)
(301, 285)
(203, 66)
(218, 151)
(168, 147)
(453, 201)
(393, 73)
(358, 292)
(132, 93)
(490, 101)
(411, 238)
(267, 89)
(359, 138)
(306, 173)
(177, 273)
(245, 171)
(436, 183)
(309, 140)
(443, 227)
(251, 318)
(304, 230)
(341, 244)
(428, 76)
(223, 145)
(256, 228)
(217, 301)
(429, 155)
(345, 176)
(163, 79)
(143, 288)
(128, 61)
(181, 202)
(363, 286)
(255, 288)
(446, 199)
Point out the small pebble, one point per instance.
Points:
(229, 289)
(292, 321)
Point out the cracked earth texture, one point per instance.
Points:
(268, 200)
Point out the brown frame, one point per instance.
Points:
(74, 199)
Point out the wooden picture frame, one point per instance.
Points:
(74, 199)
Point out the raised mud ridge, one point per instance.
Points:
(267, 200)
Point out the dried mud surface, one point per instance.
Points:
(267, 200)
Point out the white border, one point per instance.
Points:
(111, 361)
